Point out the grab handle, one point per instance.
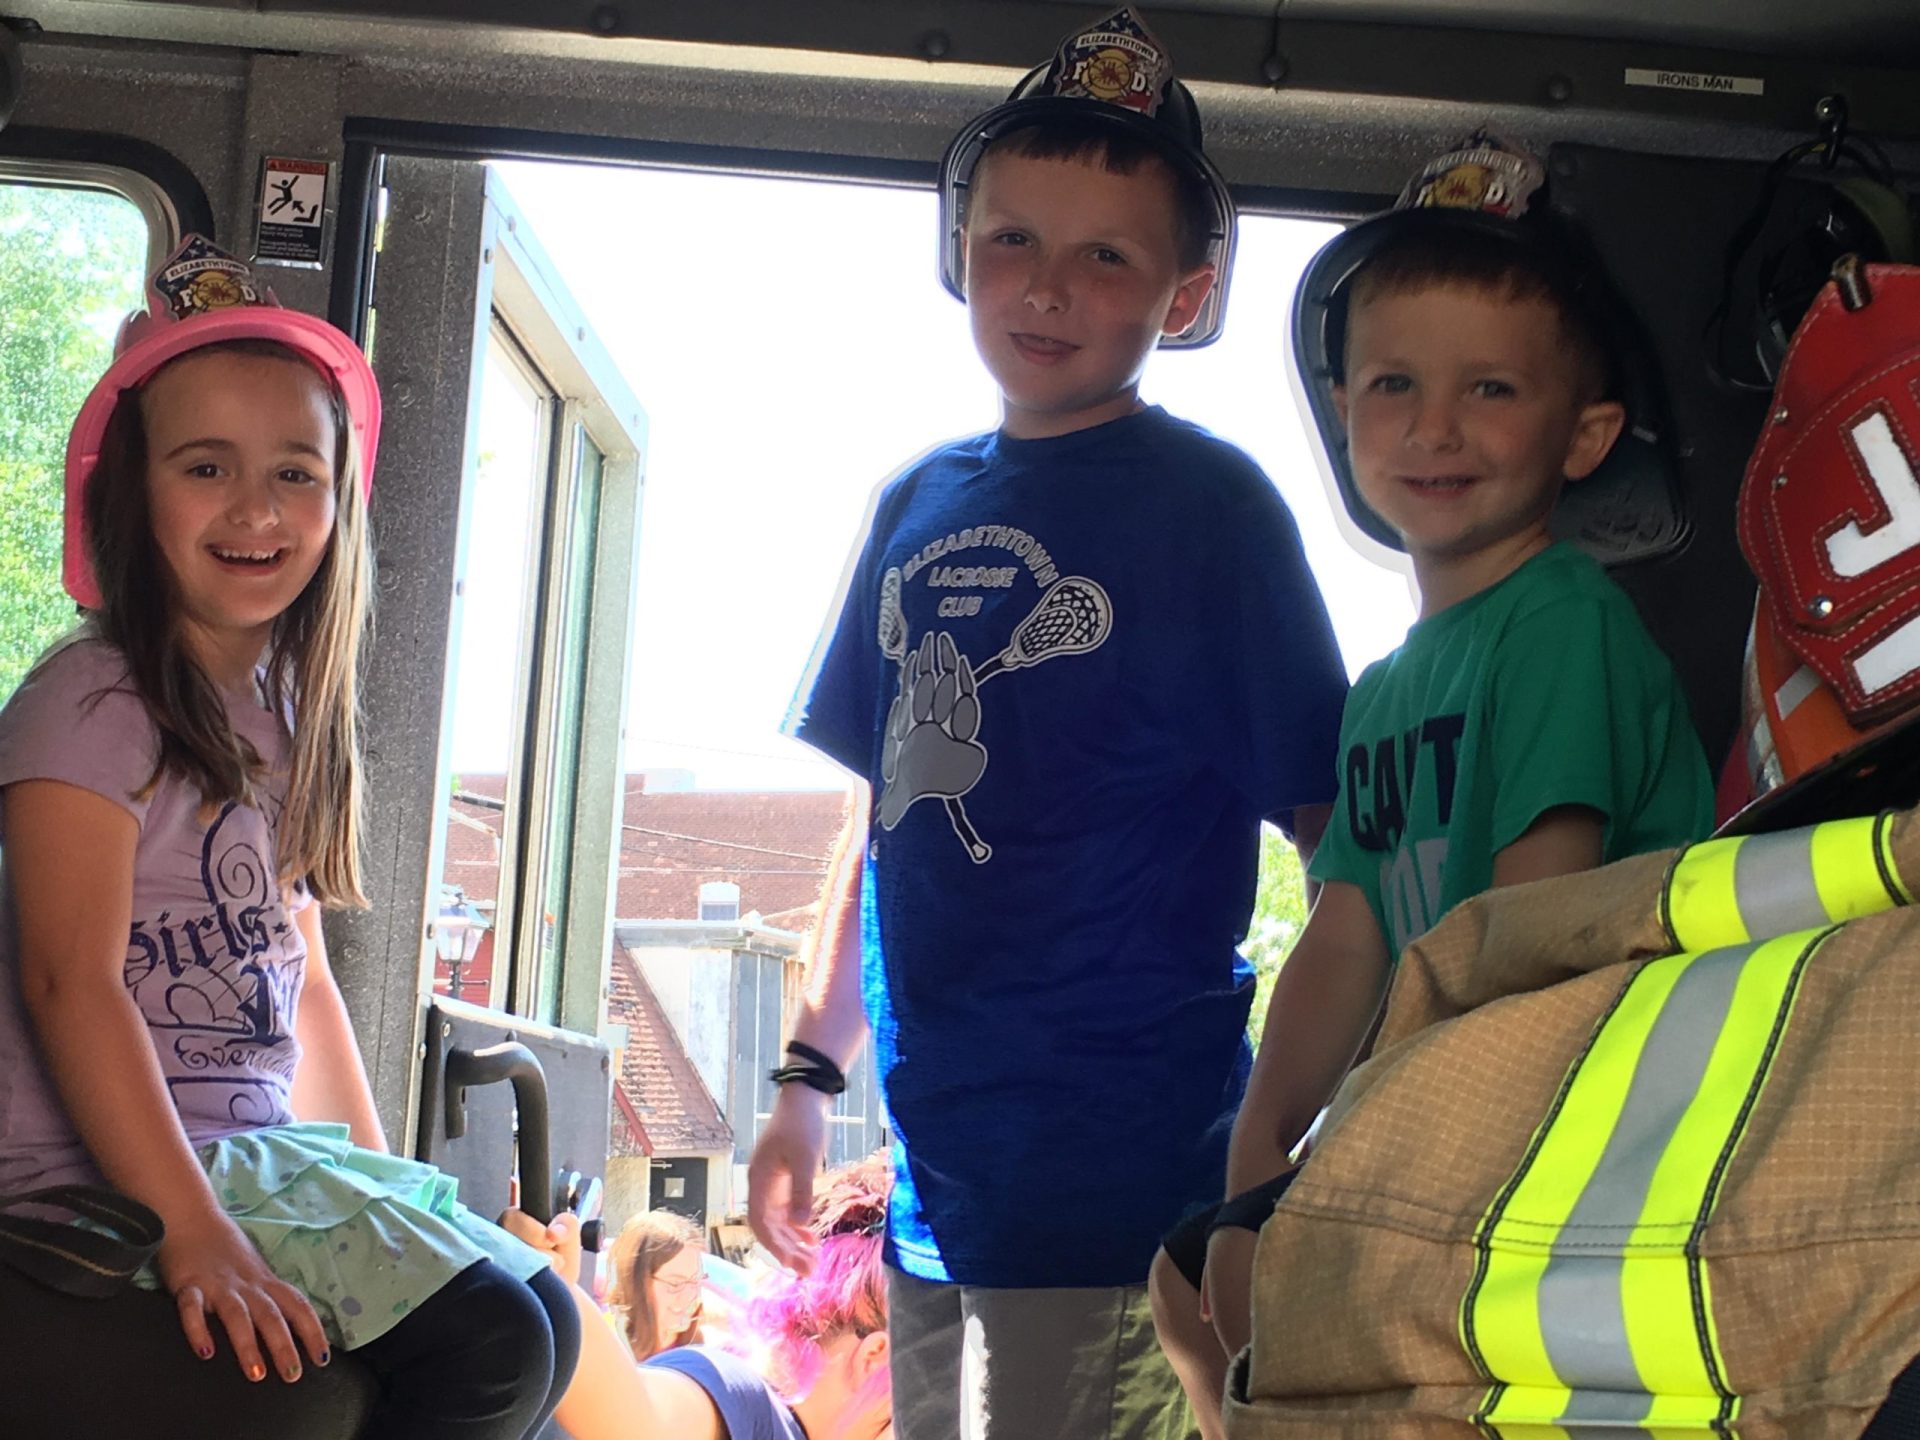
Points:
(514, 1062)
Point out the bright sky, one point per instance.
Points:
(793, 347)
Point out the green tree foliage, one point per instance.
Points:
(1279, 914)
(71, 264)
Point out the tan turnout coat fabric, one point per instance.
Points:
(1813, 1247)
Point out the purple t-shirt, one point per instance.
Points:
(214, 959)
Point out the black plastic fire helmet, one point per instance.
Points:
(1492, 190)
(1115, 72)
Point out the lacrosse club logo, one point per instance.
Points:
(931, 749)
(1830, 508)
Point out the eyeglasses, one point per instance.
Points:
(677, 1286)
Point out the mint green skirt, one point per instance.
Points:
(366, 1237)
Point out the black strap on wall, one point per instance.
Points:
(76, 1259)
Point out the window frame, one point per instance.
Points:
(586, 402)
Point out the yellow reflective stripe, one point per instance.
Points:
(1517, 1236)
(1528, 1413)
(1506, 1321)
(1704, 1309)
(1538, 1413)
(1844, 854)
(1757, 887)
(1853, 868)
(1760, 996)
(1577, 1134)
(1657, 1303)
(1583, 1311)
(1701, 913)
(1883, 851)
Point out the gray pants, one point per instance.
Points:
(972, 1363)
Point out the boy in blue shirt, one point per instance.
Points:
(1528, 726)
(1078, 660)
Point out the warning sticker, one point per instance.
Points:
(1697, 80)
(291, 229)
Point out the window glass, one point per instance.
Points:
(72, 263)
(487, 677)
(576, 615)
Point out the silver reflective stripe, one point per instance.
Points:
(1582, 1308)
(1584, 1323)
(1799, 685)
(1773, 885)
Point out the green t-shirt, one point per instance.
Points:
(1540, 691)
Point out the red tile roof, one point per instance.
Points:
(773, 844)
(473, 850)
(678, 1113)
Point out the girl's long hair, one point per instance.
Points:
(312, 663)
(644, 1247)
(846, 1294)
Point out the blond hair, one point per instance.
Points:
(643, 1249)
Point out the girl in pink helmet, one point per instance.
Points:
(180, 795)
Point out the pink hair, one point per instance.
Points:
(847, 1292)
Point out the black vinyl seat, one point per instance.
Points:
(81, 1367)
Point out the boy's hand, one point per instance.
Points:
(1226, 1293)
(210, 1267)
(780, 1177)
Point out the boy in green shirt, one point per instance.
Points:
(1527, 727)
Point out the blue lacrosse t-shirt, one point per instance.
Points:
(1077, 672)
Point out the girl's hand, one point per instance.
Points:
(210, 1267)
(559, 1241)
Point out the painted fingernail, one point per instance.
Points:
(326, 1358)
(205, 1352)
(256, 1371)
(292, 1372)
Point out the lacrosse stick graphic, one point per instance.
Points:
(893, 645)
(1073, 617)
(893, 620)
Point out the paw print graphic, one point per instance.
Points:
(929, 748)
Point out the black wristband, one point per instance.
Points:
(1251, 1209)
(817, 1057)
(817, 1072)
(811, 1076)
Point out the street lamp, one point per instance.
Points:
(457, 934)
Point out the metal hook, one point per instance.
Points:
(1850, 278)
(1831, 113)
(1274, 68)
